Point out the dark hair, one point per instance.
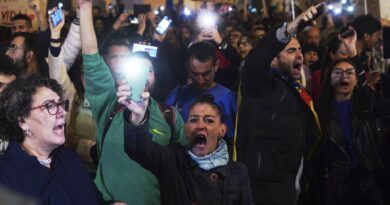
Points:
(101, 18)
(309, 47)
(249, 38)
(7, 66)
(32, 43)
(327, 95)
(16, 101)
(333, 44)
(209, 99)
(203, 51)
(22, 17)
(365, 24)
(116, 42)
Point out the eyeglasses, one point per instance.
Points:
(13, 48)
(52, 107)
(340, 72)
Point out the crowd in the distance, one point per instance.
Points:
(218, 107)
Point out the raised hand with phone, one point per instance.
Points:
(348, 37)
(56, 23)
(306, 18)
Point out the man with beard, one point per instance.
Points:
(199, 173)
(26, 52)
(203, 64)
(278, 131)
(119, 178)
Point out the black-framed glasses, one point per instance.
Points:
(204, 74)
(52, 107)
(13, 48)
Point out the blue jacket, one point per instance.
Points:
(66, 183)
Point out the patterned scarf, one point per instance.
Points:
(217, 158)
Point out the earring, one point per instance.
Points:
(26, 131)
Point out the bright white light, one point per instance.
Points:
(207, 19)
(350, 9)
(253, 10)
(337, 11)
(187, 11)
(343, 1)
(330, 7)
(156, 12)
(162, 8)
(60, 5)
(230, 8)
(133, 67)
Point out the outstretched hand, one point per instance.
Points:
(306, 16)
(138, 110)
(56, 31)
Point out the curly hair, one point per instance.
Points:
(16, 101)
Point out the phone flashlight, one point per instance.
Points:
(136, 74)
(207, 19)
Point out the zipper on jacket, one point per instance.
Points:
(343, 150)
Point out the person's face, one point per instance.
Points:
(310, 57)
(244, 46)
(341, 53)
(203, 129)
(371, 40)
(314, 36)
(45, 130)
(116, 57)
(343, 79)
(5, 80)
(99, 25)
(234, 37)
(290, 59)
(16, 51)
(202, 73)
(258, 34)
(185, 34)
(20, 26)
(151, 77)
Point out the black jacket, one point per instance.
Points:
(181, 181)
(275, 129)
(344, 177)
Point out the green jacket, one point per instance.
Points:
(118, 177)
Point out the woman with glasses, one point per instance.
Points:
(352, 147)
(36, 165)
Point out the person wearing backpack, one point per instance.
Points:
(119, 178)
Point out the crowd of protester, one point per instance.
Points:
(249, 109)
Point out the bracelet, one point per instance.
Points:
(55, 40)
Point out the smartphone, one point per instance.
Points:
(141, 9)
(133, 20)
(151, 50)
(320, 10)
(162, 27)
(136, 75)
(56, 17)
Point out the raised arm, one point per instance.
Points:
(88, 35)
(255, 72)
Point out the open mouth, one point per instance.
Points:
(59, 128)
(297, 66)
(344, 83)
(200, 140)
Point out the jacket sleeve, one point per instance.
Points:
(58, 72)
(255, 72)
(71, 46)
(99, 86)
(245, 192)
(179, 134)
(139, 146)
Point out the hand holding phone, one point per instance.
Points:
(136, 75)
(56, 16)
(303, 24)
(162, 27)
